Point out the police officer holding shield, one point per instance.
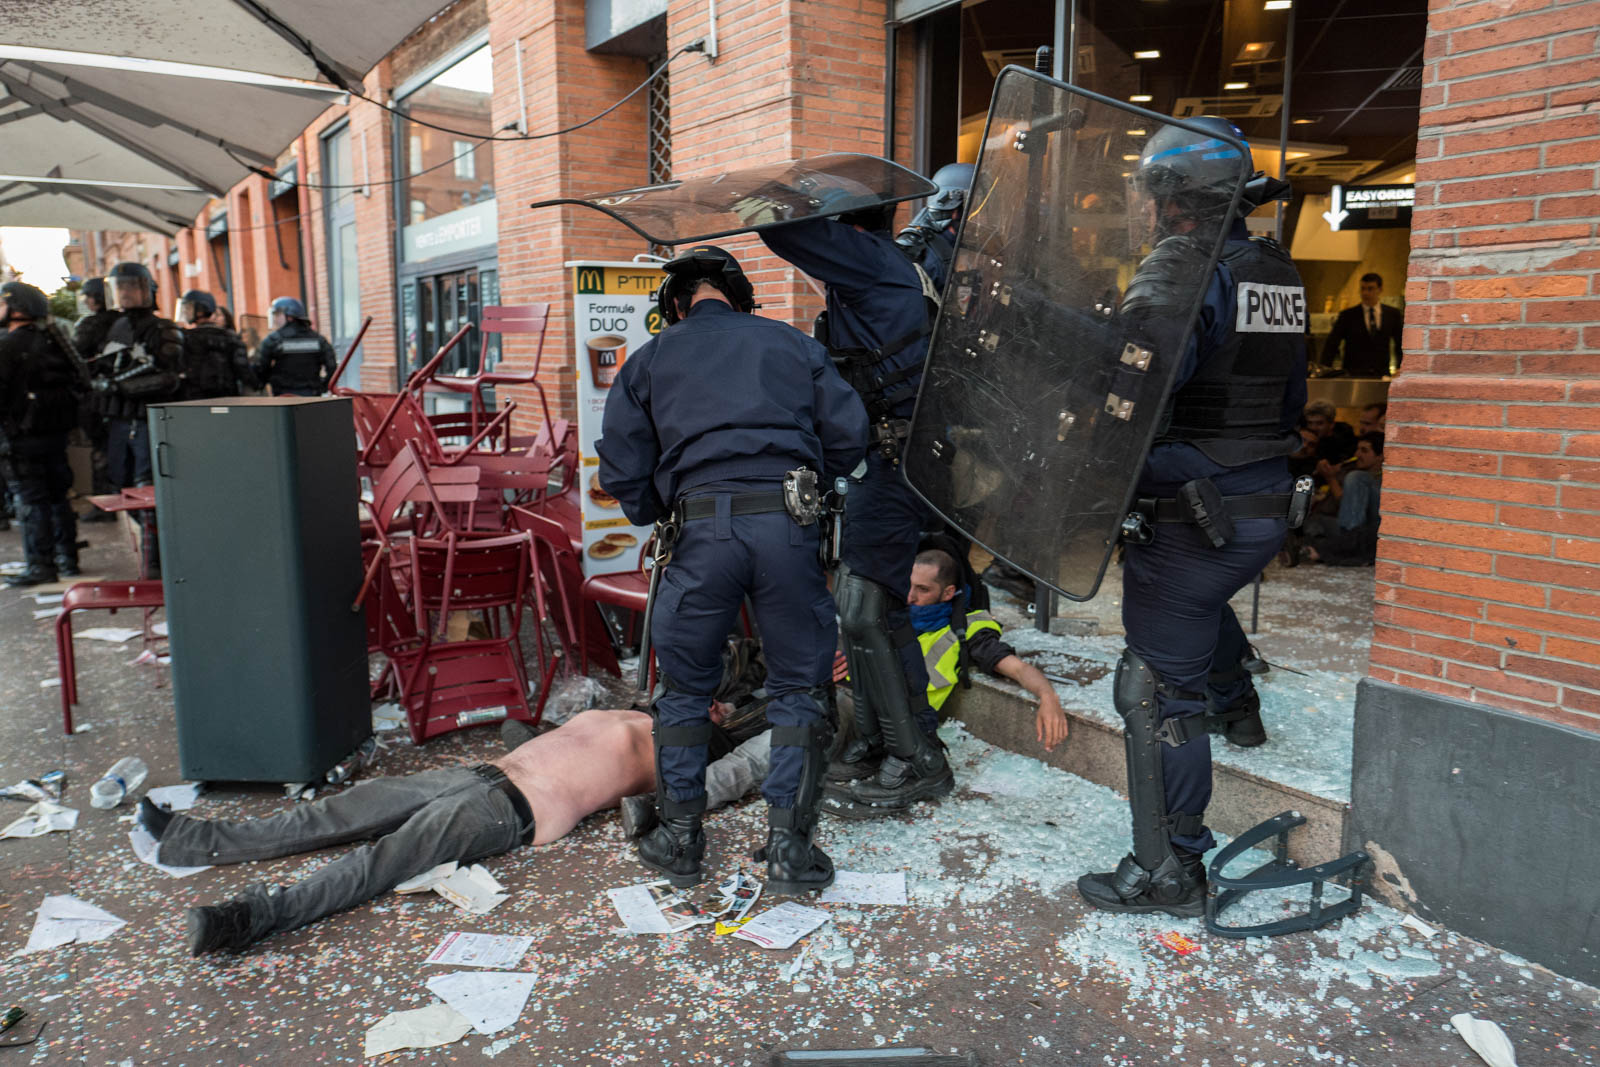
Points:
(1212, 501)
(879, 314)
(294, 359)
(722, 427)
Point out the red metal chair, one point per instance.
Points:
(528, 319)
(97, 596)
(333, 383)
(448, 685)
(629, 590)
(411, 498)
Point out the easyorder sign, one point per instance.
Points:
(1371, 207)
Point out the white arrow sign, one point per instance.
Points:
(1336, 214)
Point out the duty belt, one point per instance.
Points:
(705, 507)
(1255, 506)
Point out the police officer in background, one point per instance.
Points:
(215, 362)
(294, 359)
(40, 382)
(88, 338)
(879, 313)
(707, 423)
(1224, 443)
(138, 365)
(930, 238)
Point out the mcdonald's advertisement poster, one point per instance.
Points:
(613, 313)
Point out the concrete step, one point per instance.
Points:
(1003, 715)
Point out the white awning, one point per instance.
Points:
(193, 131)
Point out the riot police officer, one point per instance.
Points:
(215, 362)
(1216, 485)
(138, 365)
(930, 238)
(879, 313)
(294, 359)
(720, 422)
(40, 382)
(88, 338)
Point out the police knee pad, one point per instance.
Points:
(863, 605)
(1134, 686)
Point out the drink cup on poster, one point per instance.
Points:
(606, 354)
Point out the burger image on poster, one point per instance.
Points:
(613, 545)
(600, 497)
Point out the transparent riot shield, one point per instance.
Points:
(753, 198)
(1045, 383)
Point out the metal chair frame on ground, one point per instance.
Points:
(334, 387)
(447, 685)
(97, 596)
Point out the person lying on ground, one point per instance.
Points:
(534, 795)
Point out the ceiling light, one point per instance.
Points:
(1140, 98)
(1149, 53)
(1135, 133)
(1130, 158)
(1277, 5)
(1304, 122)
(1230, 86)
(1296, 155)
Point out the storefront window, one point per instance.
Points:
(449, 171)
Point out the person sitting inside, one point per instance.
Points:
(1352, 539)
(534, 795)
(1374, 417)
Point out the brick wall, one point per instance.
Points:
(1488, 580)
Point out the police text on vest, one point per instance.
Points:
(1270, 309)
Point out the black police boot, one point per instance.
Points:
(675, 848)
(1177, 887)
(224, 927)
(67, 567)
(639, 815)
(794, 864)
(858, 759)
(36, 574)
(1240, 722)
(901, 782)
(514, 733)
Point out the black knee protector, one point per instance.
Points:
(677, 737)
(1134, 692)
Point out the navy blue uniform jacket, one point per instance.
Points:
(724, 396)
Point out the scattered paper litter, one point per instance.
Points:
(45, 787)
(856, 887)
(49, 598)
(494, 951)
(14, 567)
(782, 926)
(65, 919)
(146, 847)
(149, 656)
(437, 1024)
(389, 716)
(472, 889)
(50, 683)
(40, 819)
(175, 797)
(46, 613)
(638, 910)
(1419, 926)
(114, 634)
(1486, 1039)
(159, 628)
(490, 1000)
(427, 879)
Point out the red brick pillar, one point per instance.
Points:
(1478, 733)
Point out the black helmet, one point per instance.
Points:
(290, 308)
(23, 301)
(1196, 170)
(95, 289)
(954, 181)
(201, 302)
(127, 273)
(706, 263)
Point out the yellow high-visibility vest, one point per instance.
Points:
(941, 652)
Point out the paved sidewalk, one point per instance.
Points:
(994, 952)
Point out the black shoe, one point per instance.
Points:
(1177, 887)
(221, 927)
(514, 733)
(794, 864)
(902, 782)
(153, 818)
(675, 848)
(1240, 723)
(67, 568)
(838, 801)
(32, 576)
(639, 815)
(1010, 580)
(857, 760)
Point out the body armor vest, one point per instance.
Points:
(1232, 409)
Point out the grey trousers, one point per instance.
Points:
(734, 775)
(420, 821)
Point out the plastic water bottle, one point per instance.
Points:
(125, 775)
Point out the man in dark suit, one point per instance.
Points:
(1369, 332)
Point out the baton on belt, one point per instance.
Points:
(662, 540)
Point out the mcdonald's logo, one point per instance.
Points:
(591, 280)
